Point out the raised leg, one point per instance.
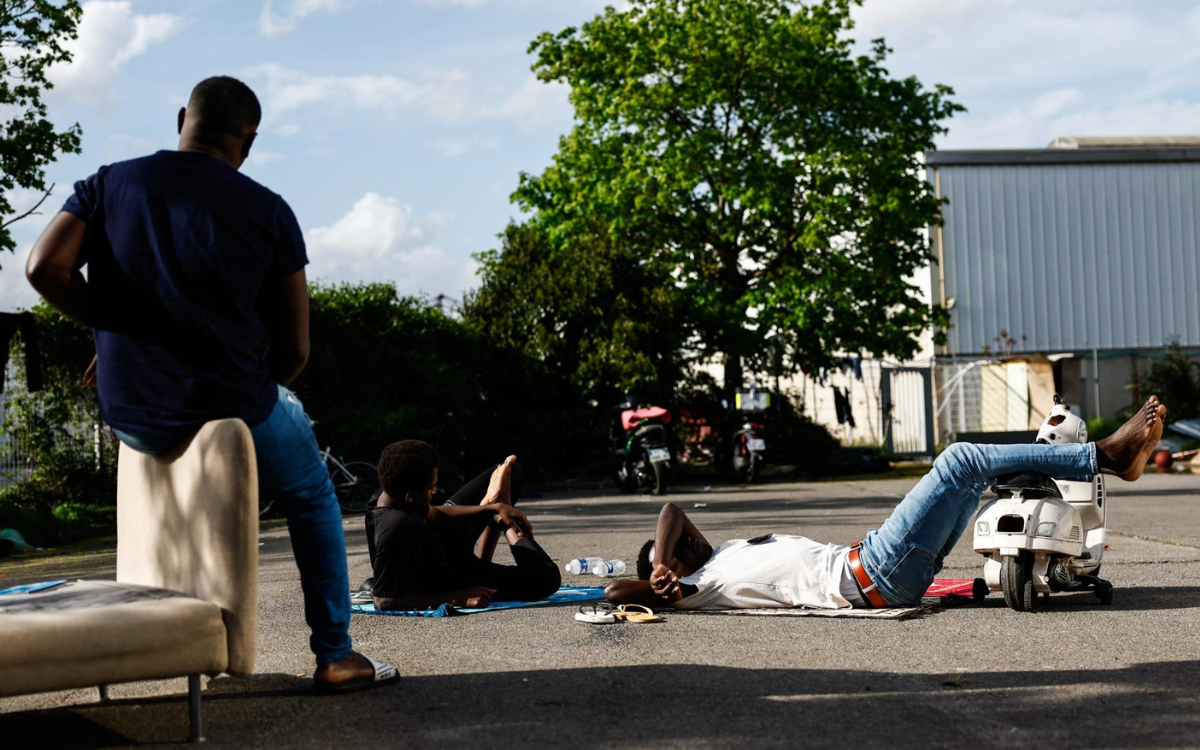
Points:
(907, 550)
(903, 555)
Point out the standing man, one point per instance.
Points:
(198, 301)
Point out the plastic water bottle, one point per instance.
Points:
(610, 568)
(583, 565)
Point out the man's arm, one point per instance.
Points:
(644, 593)
(673, 523)
(471, 598)
(506, 514)
(286, 309)
(54, 264)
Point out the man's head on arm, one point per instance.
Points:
(659, 579)
(408, 474)
(221, 119)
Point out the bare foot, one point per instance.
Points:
(499, 488)
(1127, 450)
(356, 667)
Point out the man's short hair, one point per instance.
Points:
(224, 105)
(644, 566)
(405, 466)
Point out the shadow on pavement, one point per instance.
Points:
(1149, 705)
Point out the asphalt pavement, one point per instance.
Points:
(1075, 674)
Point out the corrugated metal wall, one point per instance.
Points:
(1072, 256)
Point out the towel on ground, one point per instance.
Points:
(565, 595)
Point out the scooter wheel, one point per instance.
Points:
(1104, 593)
(1016, 581)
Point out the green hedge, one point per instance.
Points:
(386, 367)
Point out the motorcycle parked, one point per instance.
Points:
(640, 447)
(742, 447)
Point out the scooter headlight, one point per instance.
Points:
(1045, 529)
(983, 528)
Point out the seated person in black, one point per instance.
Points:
(426, 555)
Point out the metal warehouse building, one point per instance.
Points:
(1087, 248)
(1064, 269)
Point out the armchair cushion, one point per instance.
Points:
(89, 633)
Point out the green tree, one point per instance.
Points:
(745, 146)
(593, 312)
(32, 34)
(386, 367)
(1175, 379)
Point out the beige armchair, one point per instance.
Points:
(184, 602)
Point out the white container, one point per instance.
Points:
(610, 568)
(583, 565)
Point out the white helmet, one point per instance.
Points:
(1062, 426)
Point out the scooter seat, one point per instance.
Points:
(1031, 484)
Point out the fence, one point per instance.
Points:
(14, 462)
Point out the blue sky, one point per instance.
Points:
(397, 128)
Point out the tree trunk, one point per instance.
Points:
(733, 375)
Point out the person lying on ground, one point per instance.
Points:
(894, 564)
(193, 268)
(425, 555)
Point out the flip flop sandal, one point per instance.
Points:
(629, 613)
(596, 614)
(385, 674)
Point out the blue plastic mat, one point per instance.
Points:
(31, 588)
(565, 595)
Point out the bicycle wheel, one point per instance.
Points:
(355, 490)
(266, 506)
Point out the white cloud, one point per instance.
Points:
(287, 90)
(445, 95)
(110, 35)
(532, 105)
(379, 239)
(15, 292)
(260, 158)
(1029, 71)
(273, 24)
(452, 147)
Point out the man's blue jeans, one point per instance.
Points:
(904, 554)
(290, 469)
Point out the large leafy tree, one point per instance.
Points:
(32, 34)
(743, 144)
(593, 312)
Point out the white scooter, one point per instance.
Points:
(1043, 534)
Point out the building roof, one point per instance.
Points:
(1079, 150)
(1123, 141)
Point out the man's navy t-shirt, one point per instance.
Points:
(178, 247)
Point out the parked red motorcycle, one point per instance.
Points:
(640, 448)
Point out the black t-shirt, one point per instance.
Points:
(407, 556)
(179, 248)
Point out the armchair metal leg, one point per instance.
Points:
(103, 692)
(194, 713)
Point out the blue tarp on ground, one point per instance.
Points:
(31, 588)
(565, 595)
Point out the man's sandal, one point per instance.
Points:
(385, 674)
(629, 613)
(597, 613)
